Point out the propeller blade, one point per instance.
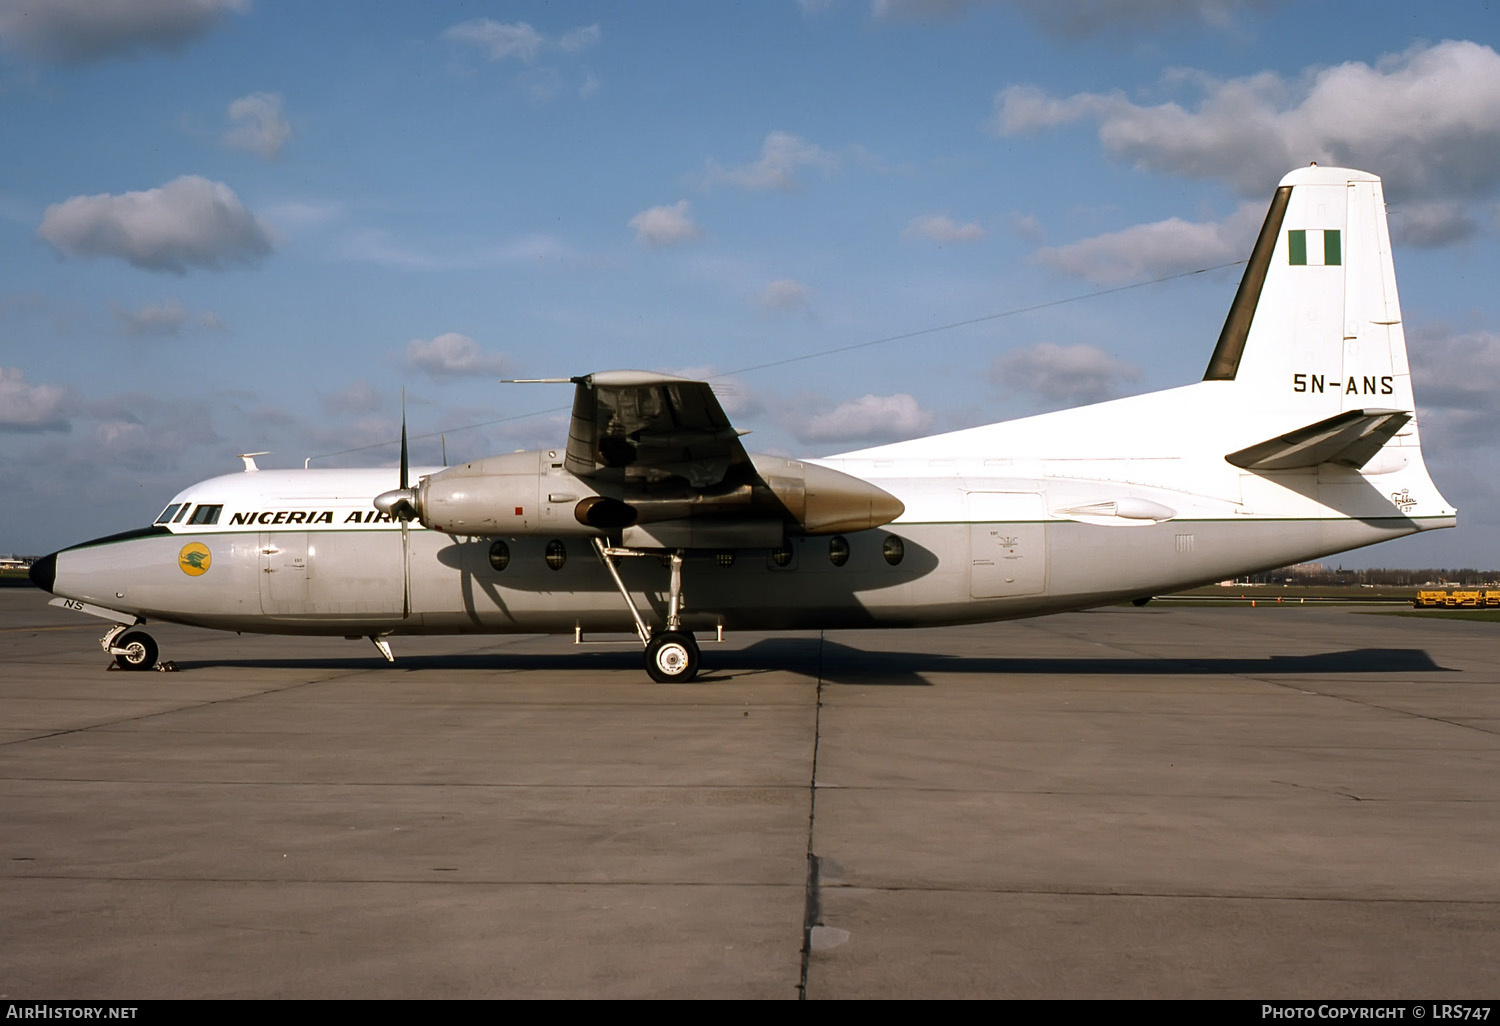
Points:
(401, 502)
(403, 441)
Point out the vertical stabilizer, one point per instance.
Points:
(1315, 328)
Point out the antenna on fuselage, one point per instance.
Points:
(249, 458)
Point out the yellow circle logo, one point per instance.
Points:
(194, 559)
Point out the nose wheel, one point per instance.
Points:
(134, 651)
(672, 656)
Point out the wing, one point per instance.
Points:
(670, 471)
(644, 428)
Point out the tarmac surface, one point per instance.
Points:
(1266, 803)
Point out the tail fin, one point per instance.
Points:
(1315, 328)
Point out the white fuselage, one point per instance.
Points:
(981, 539)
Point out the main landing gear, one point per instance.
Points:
(133, 650)
(671, 655)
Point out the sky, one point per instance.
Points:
(236, 226)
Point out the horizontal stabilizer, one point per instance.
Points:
(1348, 439)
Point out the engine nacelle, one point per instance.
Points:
(825, 501)
(529, 493)
(519, 493)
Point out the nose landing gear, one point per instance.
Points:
(133, 650)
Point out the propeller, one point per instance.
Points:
(402, 503)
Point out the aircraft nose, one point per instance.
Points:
(43, 572)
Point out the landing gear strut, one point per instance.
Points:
(671, 655)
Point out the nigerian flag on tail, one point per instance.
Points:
(1314, 247)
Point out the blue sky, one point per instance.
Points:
(241, 225)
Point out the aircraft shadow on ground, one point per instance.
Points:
(844, 665)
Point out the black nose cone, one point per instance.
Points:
(44, 572)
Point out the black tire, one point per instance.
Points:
(672, 657)
(140, 651)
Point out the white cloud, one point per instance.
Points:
(1066, 375)
(581, 38)
(377, 246)
(1077, 19)
(1427, 121)
(1455, 370)
(169, 318)
(258, 124)
(1148, 251)
(518, 40)
(26, 407)
(782, 156)
(145, 433)
(921, 9)
(1438, 223)
(453, 356)
(665, 226)
(1027, 227)
(71, 31)
(295, 215)
(1455, 375)
(871, 418)
(189, 222)
(785, 296)
(355, 398)
(941, 229)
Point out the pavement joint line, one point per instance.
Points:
(386, 881)
(139, 782)
(1058, 628)
(103, 724)
(1352, 700)
(812, 912)
(450, 881)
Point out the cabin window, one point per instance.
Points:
(838, 550)
(499, 555)
(725, 559)
(206, 514)
(782, 556)
(893, 549)
(557, 554)
(168, 513)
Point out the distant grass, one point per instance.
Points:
(14, 579)
(1290, 592)
(1283, 595)
(1491, 615)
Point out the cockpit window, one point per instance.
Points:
(206, 514)
(182, 513)
(168, 513)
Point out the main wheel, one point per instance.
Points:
(672, 656)
(139, 651)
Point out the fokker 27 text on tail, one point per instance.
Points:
(1300, 441)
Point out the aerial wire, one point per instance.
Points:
(1014, 312)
